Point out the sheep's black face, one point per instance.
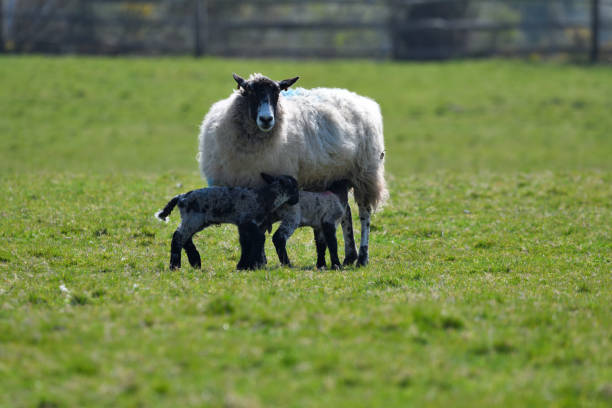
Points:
(262, 95)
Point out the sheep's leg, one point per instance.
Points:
(192, 254)
(246, 237)
(329, 231)
(365, 214)
(245, 247)
(251, 244)
(260, 241)
(175, 249)
(321, 247)
(182, 238)
(280, 237)
(258, 253)
(350, 252)
(261, 256)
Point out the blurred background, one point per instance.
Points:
(378, 29)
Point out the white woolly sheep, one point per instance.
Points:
(322, 211)
(247, 208)
(317, 136)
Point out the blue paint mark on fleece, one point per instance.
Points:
(294, 92)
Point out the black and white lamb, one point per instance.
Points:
(247, 208)
(315, 135)
(320, 210)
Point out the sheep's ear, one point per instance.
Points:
(240, 81)
(286, 83)
(268, 178)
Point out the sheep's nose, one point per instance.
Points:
(266, 120)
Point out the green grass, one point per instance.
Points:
(490, 277)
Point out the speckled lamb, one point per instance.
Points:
(247, 208)
(320, 210)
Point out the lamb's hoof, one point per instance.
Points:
(363, 256)
(349, 260)
(175, 261)
(336, 267)
(249, 266)
(362, 261)
(262, 260)
(195, 262)
(284, 260)
(321, 266)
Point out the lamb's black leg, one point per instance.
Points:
(252, 242)
(261, 256)
(321, 246)
(350, 251)
(245, 246)
(280, 244)
(329, 231)
(175, 250)
(246, 235)
(258, 248)
(192, 254)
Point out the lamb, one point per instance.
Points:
(317, 136)
(321, 211)
(247, 208)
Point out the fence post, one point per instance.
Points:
(196, 29)
(594, 30)
(1, 27)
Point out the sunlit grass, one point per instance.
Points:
(489, 282)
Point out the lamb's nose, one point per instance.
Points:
(266, 120)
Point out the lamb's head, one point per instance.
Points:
(262, 96)
(283, 188)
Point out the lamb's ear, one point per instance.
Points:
(268, 178)
(240, 81)
(286, 83)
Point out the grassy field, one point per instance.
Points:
(490, 278)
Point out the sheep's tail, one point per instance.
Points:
(163, 214)
(370, 188)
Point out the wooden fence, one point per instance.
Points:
(400, 29)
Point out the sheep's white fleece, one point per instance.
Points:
(321, 135)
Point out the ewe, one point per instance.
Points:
(317, 136)
(247, 208)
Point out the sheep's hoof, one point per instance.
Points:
(175, 261)
(350, 259)
(363, 256)
(336, 267)
(246, 266)
(362, 262)
(195, 261)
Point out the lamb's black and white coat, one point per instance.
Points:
(247, 208)
(320, 210)
(316, 135)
